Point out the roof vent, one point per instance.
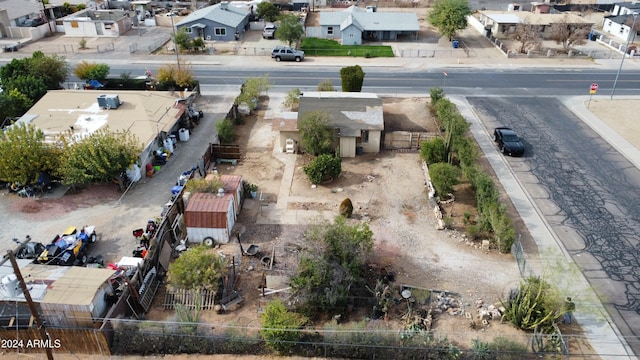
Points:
(221, 192)
(224, 5)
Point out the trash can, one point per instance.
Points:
(184, 134)
(359, 150)
(593, 36)
(455, 44)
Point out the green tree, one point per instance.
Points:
(290, 29)
(198, 268)
(331, 266)
(433, 151)
(324, 167)
(226, 133)
(280, 327)
(91, 71)
(316, 135)
(352, 78)
(183, 39)
(53, 69)
(444, 176)
(449, 16)
(252, 88)
(325, 85)
(98, 157)
(24, 154)
(198, 43)
(14, 104)
(266, 10)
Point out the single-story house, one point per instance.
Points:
(219, 22)
(151, 116)
(501, 24)
(621, 20)
(97, 23)
(66, 296)
(210, 218)
(356, 117)
(354, 25)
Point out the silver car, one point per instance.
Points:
(287, 53)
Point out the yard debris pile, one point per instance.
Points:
(490, 312)
(447, 302)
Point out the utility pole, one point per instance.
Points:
(32, 306)
(624, 54)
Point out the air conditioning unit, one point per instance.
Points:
(208, 37)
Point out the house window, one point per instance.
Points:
(74, 24)
(364, 136)
(108, 26)
(350, 35)
(188, 30)
(330, 30)
(220, 31)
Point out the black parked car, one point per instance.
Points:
(508, 141)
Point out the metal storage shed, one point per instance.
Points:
(210, 218)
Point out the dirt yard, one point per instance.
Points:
(388, 190)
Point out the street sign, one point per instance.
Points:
(445, 73)
(593, 89)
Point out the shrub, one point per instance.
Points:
(433, 151)
(316, 135)
(280, 328)
(473, 231)
(444, 176)
(436, 94)
(204, 186)
(346, 208)
(325, 85)
(324, 167)
(293, 99)
(534, 304)
(507, 349)
(352, 78)
(226, 133)
(91, 71)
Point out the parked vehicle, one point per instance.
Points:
(69, 248)
(269, 31)
(30, 250)
(508, 141)
(288, 54)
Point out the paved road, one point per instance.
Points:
(589, 194)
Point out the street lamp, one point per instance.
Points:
(175, 44)
(624, 54)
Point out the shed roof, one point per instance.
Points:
(351, 112)
(142, 113)
(231, 182)
(208, 203)
(225, 14)
(371, 21)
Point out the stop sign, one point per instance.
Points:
(594, 87)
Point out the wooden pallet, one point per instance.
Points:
(189, 298)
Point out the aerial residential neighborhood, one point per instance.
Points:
(330, 179)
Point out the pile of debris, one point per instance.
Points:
(490, 312)
(447, 302)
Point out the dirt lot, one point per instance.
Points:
(388, 190)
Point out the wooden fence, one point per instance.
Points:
(225, 152)
(204, 299)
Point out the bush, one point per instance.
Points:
(534, 304)
(436, 94)
(226, 133)
(473, 231)
(325, 85)
(322, 168)
(91, 71)
(433, 151)
(280, 328)
(204, 186)
(352, 78)
(507, 349)
(293, 99)
(346, 208)
(443, 177)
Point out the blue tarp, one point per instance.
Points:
(95, 84)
